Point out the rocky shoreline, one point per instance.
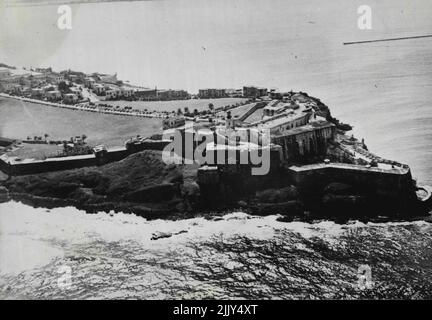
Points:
(170, 192)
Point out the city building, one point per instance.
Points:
(172, 94)
(254, 92)
(145, 94)
(37, 92)
(234, 93)
(53, 95)
(211, 93)
(113, 93)
(89, 82)
(43, 70)
(99, 89)
(6, 86)
(173, 122)
(275, 94)
(127, 92)
(76, 91)
(70, 98)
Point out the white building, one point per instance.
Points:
(114, 93)
(127, 91)
(53, 95)
(37, 92)
(54, 78)
(70, 98)
(173, 122)
(89, 82)
(99, 89)
(9, 86)
(76, 91)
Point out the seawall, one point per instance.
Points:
(14, 167)
(392, 184)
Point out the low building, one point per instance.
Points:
(212, 93)
(43, 70)
(127, 92)
(6, 86)
(76, 91)
(173, 122)
(99, 89)
(172, 94)
(275, 94)
(89, 82)
(13, 79)
(254, 92)
(287, 122)
(146, 94)
(37, 92)
(276, 107)
(70, 98)
(53, 95)
(54, 78)
(234, 93)
(113, 93)
(73, 77)
(47, 88)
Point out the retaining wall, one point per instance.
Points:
(28, 166)
(391, 183)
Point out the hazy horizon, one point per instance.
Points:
(192, 44)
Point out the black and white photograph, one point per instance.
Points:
(215, 150)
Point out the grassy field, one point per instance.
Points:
(199, 104)
(21, 119)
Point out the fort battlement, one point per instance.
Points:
(13, 166)
(395, 182)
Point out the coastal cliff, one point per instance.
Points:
(144, 185)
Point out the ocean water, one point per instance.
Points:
(238, 256)
(382, 89)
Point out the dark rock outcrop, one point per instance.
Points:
(4, 194)
(277, 195)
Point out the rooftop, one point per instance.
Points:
(283, 118)
(307, 128)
